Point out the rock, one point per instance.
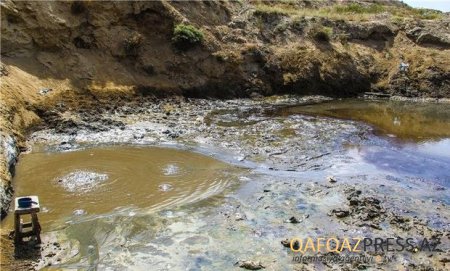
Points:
(250, 265)
(371, 31)
(51, 254)
(3, 70)
(44, 91)
(401, 222)
(430, 39)
(340, 213)
(353, 198)
(138, 136)
(174, 135)
(294, 220)
(354, 193)
(8, 159)
(237, 24)
(239, 217)
(331, 179)
(65, 146)
(370, 225)
(353, 201)
(286, 243)
(428, 35)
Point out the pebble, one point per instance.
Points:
(294, 220)
(250, 265)
(331, 179)
(339, 213)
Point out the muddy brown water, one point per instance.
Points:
(111, 195)
(98, 180)
(405, 120)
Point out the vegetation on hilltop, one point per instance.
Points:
(349, 11)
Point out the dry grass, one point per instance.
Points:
(321, 33)
(349, 12)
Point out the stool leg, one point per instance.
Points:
(17, 230)
(36, 227)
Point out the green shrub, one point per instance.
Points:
(186, 35)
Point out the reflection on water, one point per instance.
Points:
(409, 160)
(96, 181)
(408, 121)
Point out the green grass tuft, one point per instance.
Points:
(359, 9)
(186, 35)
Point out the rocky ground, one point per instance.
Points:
(287, 191)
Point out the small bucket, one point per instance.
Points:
(25, 202)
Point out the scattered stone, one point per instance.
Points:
(44, 91)
(400, 221)
(370, 225)
(239, 217)
(51, 254)
(65, 146)
(353, 201)
(250, 265)
(286, 243)
(340, 213)
(3, 70)
(294, 220)
(331, 179)
(354, 193)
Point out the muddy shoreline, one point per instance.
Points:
(288, 177)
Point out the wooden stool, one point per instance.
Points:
(34, 224)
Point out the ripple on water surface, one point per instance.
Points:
(99, 180)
